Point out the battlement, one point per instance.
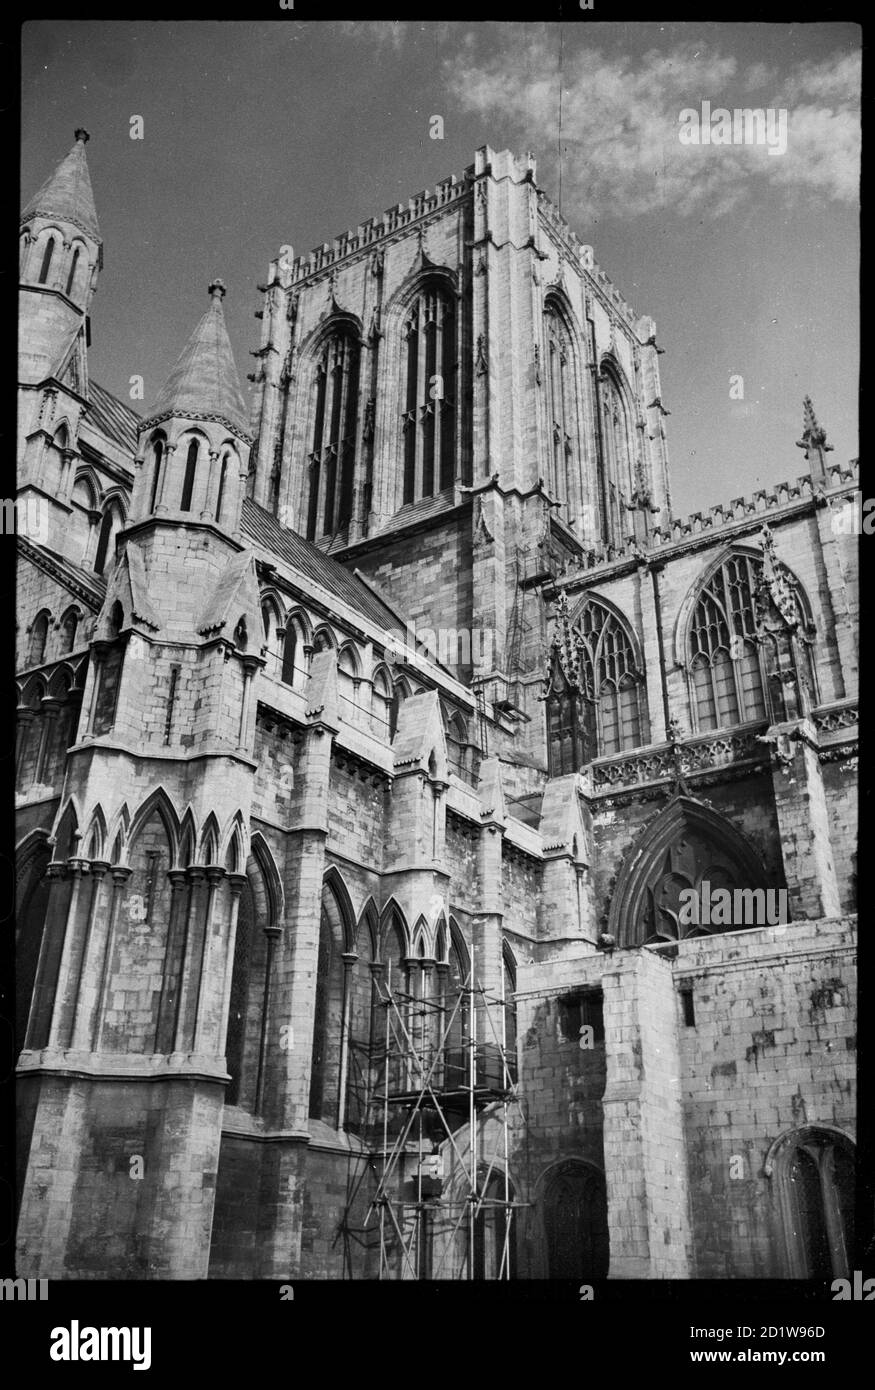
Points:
(740, 509)
(584, 255)
(449, 190)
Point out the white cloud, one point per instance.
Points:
(620, 122)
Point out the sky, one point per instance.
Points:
(263, 134)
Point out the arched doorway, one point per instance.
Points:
(575, 1214)
(813, 1169)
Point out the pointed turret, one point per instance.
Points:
(194, 443)
(61, 254)
(204, 383)
(66, 194)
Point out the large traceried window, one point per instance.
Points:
(561, 406)
(594, 697)
(619, 450)
(724, 659)
(429, 413)
(332, 456)
(614, 681)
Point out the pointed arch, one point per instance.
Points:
(367, 930)
(32, 858)
(39, 637)
(187, 839)
(812, 1173)
(324, 639)
(117, 834)
(421, 939)
(47, 259)
(159, 801)
(336, 935)
(232, 853)
(208, 849)
(393, 923)
(86, 489)
(686, 844)
(262, 853)
(423, 327)
(69, 628)
(65, 832)
(331, 358)
(111, 522)
(333, 879)
(562, 383)
(618, 417)
(570, 1200)
(61, 681)
(95, 837)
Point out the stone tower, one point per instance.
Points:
(126, 1054)
(456, 400)
(60, 257)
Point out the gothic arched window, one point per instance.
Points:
(38, 637)
(723, 654)
(814, 1172)
(69, 624)
(613, 682)
(618, 448)
(31, 906)
(289, 653)
(223, 475)
(71, 278)
(107, 526)
(561, 408)
(188, 480)
(47, 260)
(691, 874)
(325, 1061)
(332, 457)
(381, 704)
(157, 456)
(565, 744)
(594, 694)
(429, 414)
(575, 1215)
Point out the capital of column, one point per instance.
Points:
(237, 883)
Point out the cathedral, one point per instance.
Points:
(379, 743)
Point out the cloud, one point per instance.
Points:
(620, 122)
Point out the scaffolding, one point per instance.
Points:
(437, 1081)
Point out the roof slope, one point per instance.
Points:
(204, 381)
(117, 421)
(263, 528)
(67, 192)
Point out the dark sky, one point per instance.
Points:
(265, 133)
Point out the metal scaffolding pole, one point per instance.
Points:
(420, 1088)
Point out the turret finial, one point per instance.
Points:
(82, 135)
(217, 289)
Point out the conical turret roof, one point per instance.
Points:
(67, 194)
(204, 382)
